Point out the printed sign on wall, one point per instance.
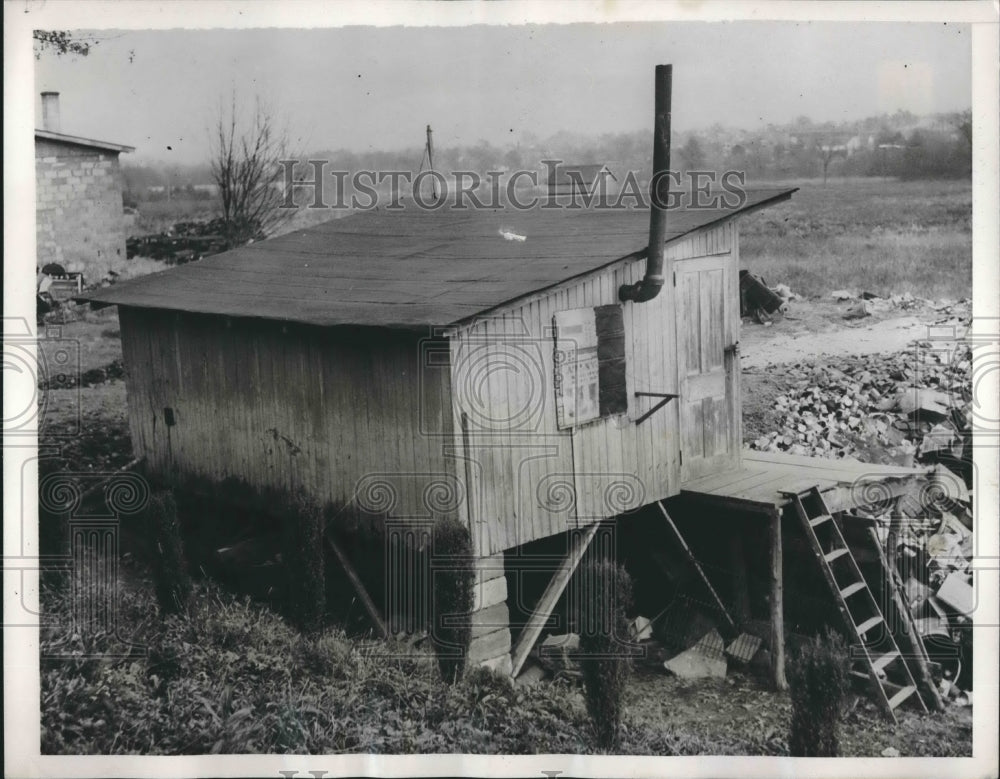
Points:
(576, 368)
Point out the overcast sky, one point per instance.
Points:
(378, 87)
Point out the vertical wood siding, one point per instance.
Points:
(418, 427)
(343, 414)
(527, 479)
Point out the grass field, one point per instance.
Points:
(156, 216)
(880, 235)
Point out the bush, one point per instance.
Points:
(170, 576)
(302, 527)
(213, 513)
(452, 595)
(603, 627)
(818, 680)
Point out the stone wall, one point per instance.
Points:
(490, 645)
(80, 224)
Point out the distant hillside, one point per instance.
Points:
(898, 145)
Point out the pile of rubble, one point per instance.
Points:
(183, 242)
(698, 650)
(932, 554)
(895, 409)
(865, 304)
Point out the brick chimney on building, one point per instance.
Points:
(50, 112)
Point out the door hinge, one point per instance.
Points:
(675, 278)
(680, 454)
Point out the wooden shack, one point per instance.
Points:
(410, 348)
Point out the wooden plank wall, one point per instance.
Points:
(336, 412)
(528, 479)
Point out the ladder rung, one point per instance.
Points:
(820, 519)
(885, 659)
(835, 554)
(901, 696)
(868, 624)
(850, 589)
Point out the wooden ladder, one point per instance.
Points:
(880, 654)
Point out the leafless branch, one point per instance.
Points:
(246, 157)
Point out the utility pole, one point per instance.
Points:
(430, 160)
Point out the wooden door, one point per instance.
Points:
(706, 330)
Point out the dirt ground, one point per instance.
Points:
(741, 715)
(811, 330)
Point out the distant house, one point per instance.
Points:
(80, 222)
(577, 180)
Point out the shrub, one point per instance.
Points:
(302, 527)
(213, 513)
(818, 680)
(602, 622)
(452, 596)
(328, 656)
(170, 576)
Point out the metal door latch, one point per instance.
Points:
(666, 398)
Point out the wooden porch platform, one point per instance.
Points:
(759, 483)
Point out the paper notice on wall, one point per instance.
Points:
(576, 368)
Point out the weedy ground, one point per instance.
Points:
(231, 676)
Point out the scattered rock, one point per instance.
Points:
(890, 752)
(555, 653)
(858, 311)
(531, 673)
(641, 629)
(853, 406)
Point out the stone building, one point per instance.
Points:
(79, 223)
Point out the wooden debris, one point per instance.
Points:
(957, 593)
(756, 296)
(744, 647)
(706, 659)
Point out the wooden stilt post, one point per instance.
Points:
(738, 564)
(777, 605)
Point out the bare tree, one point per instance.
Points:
(963, 124)
(827, 152)
(246, 157)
